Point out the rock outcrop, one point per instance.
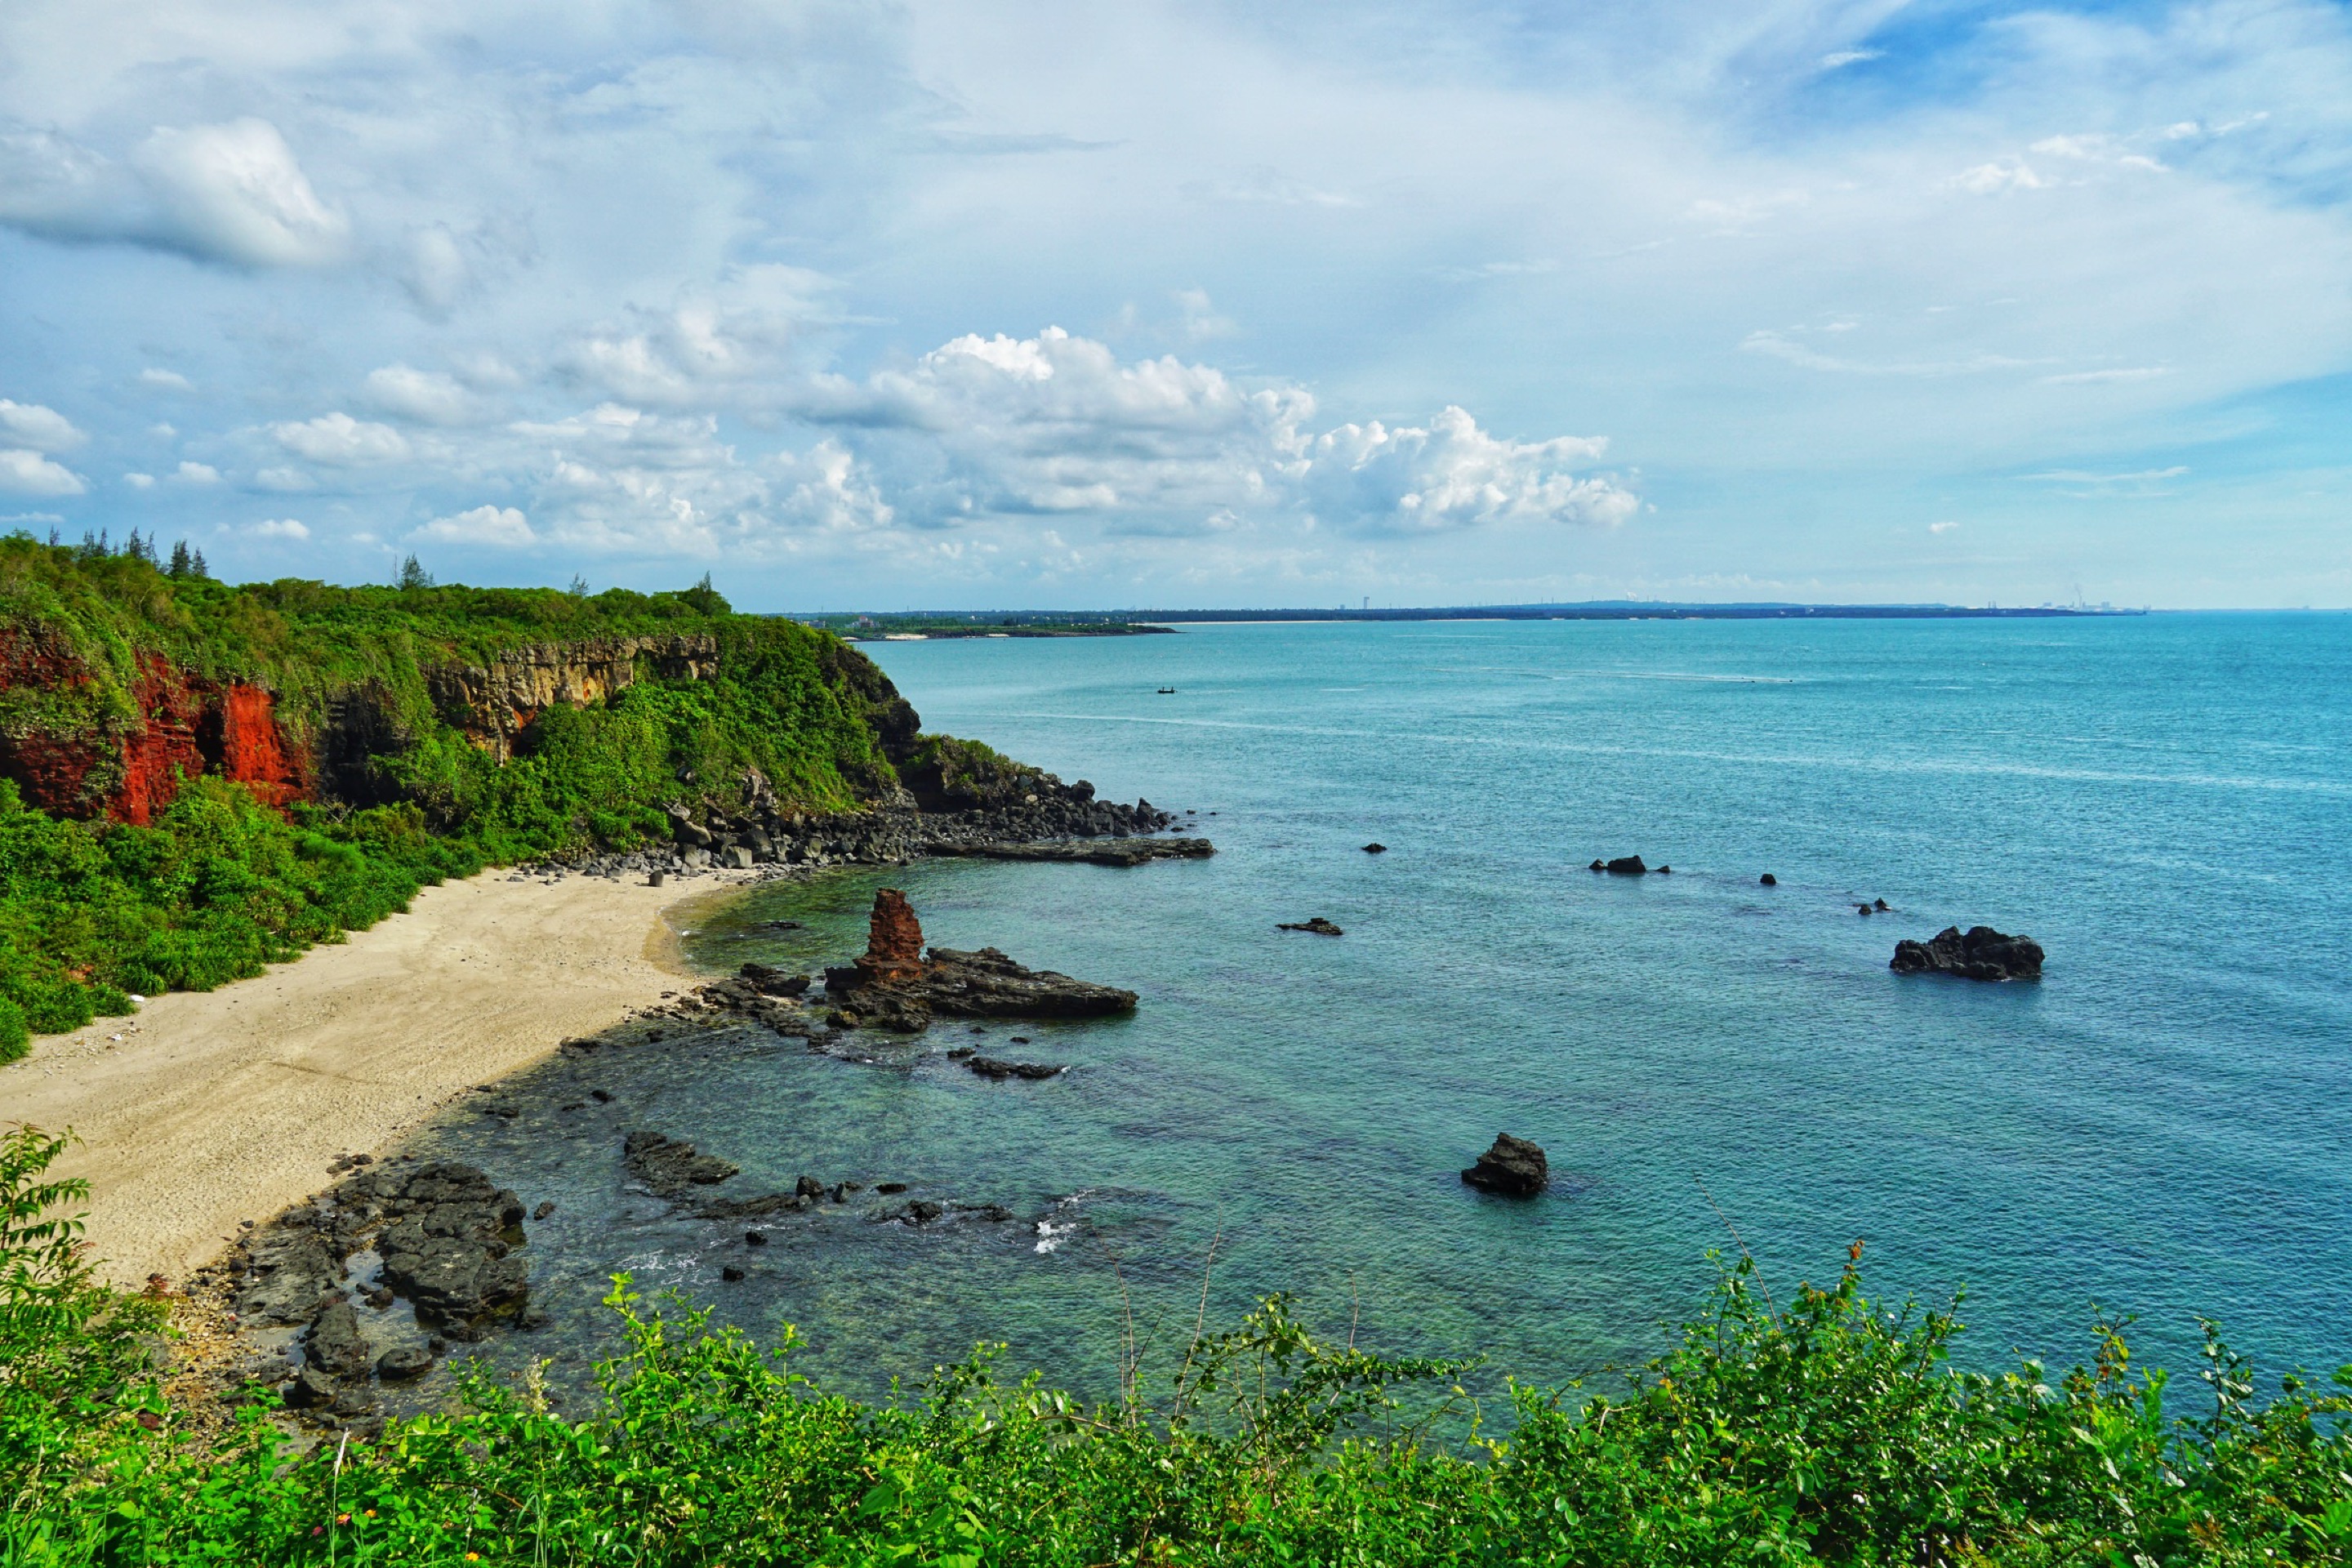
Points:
(446, 1235)
(994, 1066)
(1979, 953)
(1115, 852)
(670, 1167)
(1512, 1166)
(1318, 926)
(886, 988)
(492, 704)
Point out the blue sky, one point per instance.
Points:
(975, 304)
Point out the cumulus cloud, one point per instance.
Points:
(235, 193)
(230, 192)
(164, 380)
(27, 473)
(191, 472)
(490, 527)
(427, 396)
(1452, 475)
(284, 528)
(42, 428)
(340, 440)
(1058, 424)
(711, 347)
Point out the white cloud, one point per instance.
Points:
(428, 396)
(2082, 477)
(2133, 372)
(195, 473)
(489, 527)
(1452, 475)
(284, 528)
(27, 473)
(234, 192)
(1944, 527)
(140, 481)
(1843, 57)
(284, 479)
(340, 440)
(1995, 179)
(712, 347)
(43, 429)
(164, 380)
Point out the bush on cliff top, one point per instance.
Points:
(1830, 1432)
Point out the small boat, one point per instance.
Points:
(1167, 691)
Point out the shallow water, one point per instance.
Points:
(2160, 1126)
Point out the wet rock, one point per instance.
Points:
(1979, 953)
(1318, 925)
(755, 1238)
(808, 1188)
(990, 1067)
(730, 1273)
(1769, 880)
(1598, 864)
(335, 1344)
(403, 1363)
(282, 1273)
(449, 1249)
(771, 982)
(887, 1187)
(544, 1209)
(670, 1167)
(1376, 848)
(1512, 1166)
(1626, 866)
(1880, 905)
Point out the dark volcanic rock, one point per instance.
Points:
(1318, 925)
(990, 1067)
(1769, 880)
(1980, 953)
(449, 1251)
(284, 1271)
(335, 1344)
(1513, 1166)
(1626, 866)
(670, 1167)
(1376, 848)
(405, 1362)
(1118, 852)
(771, 982)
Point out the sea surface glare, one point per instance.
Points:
(2162, 1126)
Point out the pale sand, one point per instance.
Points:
(228, 1105)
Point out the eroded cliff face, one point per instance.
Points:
(491, 706)
(128, 765)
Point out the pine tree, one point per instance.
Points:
(412, 575)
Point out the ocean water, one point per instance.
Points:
(2161, 1127)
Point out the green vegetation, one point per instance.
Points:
(376, 692)
(1828, 1432)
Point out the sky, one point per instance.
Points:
(967, 304)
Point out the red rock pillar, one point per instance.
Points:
(894, 941)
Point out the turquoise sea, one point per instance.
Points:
(2162, 1126)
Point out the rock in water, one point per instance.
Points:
(1769, 880)
(992, 1066)
(1318, 925)
(1376, 848)
(1982, 953)
(894, 941)
(1626, 866)
(1514, 1167)
(403, 1363)
(670, 1165)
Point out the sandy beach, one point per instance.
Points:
(203, 1111)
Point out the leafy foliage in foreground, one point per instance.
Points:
(1829, 1431)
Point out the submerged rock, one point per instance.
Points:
(1318, 925)
(1980, 953)
(992, 1067)
(1512, 1166)
(670, 1167)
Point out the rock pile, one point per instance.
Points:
(1979, 953)
(446, 1235)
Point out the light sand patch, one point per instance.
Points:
(228, 1106)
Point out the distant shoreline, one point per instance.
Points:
(923, 626)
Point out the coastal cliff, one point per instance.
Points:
(198, 778)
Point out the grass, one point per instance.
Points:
(1831, 1431)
